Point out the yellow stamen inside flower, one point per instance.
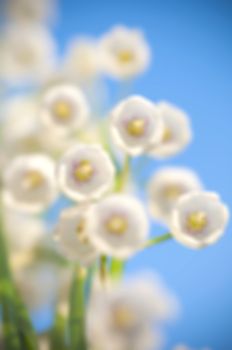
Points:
(123, 318)
(167, 135)
(62, 111)
(84, 171)
(80, 231)
(197, 221)
(136, 127)
(32, 180)
(172, 192)
(125, 56)
(117, 225)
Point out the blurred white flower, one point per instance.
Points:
(199, 219)
(125, 52)
(38, 284)
(29, 183)
(85, 172)
(165, 188)
(117, 225)
(177, 132)
(30, 10)
(28, 60)
(127, 316)
(71, 237)
(82, 61)
(63, 108)
(23, 232)
(136, 125)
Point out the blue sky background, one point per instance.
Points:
(192, 67)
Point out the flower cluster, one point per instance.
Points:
(61, 161)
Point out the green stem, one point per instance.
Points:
(17, 329)
(57, 333)
(116, 269)
(158, 239)
(103, 271)
(123, 175)
(76, 322)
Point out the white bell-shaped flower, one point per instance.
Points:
(29, 183)
(71, 237)
(28, 60)
(127, 316)
(117, 225)
(177, 132)
(199, 219)
(64, 108)
(165, 188)
(125, 52)
(85, 172)
(136, 125)
(83, 60)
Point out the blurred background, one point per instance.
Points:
(192, 68)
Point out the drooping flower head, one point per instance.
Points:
(125, 52)
(166, 186)
(29, 183)
(83, 60)
(136, 125)
(117, 225)
(71, 236)
(177, 132)
(85, 172)
(64, 108)
(127, 316)
(199, 219)
(28, 60)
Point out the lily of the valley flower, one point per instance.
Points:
(83, 60)
(71, 237)
(199, 219)
(166, 186)
(125, 52)
(85, 172)
(64, 108)
(30, 11)
(29, 183)
(127, 316)
(176, 134)
(136, 125)
(117, 225)
(30, 59)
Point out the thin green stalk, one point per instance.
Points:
(123, 175)
(25, 327)
(57, 333)
(158, 239)
(103, 269)
(116, 269)
(76, 322)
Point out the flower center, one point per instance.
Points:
(32, 180)
(83, 171)
(172, 192)
(117, 225)
(125, 56)
(167, 135)
(80, 231)
(62, 111)
(123, 318)
(197, 221)
(136, 127)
